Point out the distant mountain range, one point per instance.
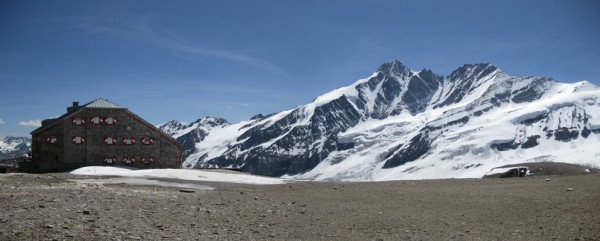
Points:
(405, 124)
(14, 147)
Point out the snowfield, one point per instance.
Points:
(179, 174)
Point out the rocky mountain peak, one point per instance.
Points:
(394, 68)
(211, 121)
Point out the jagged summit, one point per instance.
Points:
(395, 67)
(402, 124)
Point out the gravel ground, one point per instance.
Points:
(50, 207)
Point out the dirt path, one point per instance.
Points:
(47, 207)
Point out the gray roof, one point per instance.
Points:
(102, 103)
(98, 103)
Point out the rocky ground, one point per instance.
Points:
(50, 207)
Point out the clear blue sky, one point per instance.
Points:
(184, 60)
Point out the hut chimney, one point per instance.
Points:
(74, 107)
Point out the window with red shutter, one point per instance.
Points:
(78, 140)
(110, 120)
(147, 160)
(147, 141)
(128, 159)
(78, 121)
(110, 140)
(128, 140)
(110, 160)
(96, 120)
(52, 140)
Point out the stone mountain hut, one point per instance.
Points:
(101, 133)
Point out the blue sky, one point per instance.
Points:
(184, 60)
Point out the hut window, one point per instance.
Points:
(147, 140)
(110, 120)
(110, 160)
(96, 120)
(52, 140)
(128, 140)
(78, 140)
(147, 160)
(78, 121)
(128, 159)
(110, 140)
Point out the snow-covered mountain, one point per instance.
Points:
(405, 124)
(14, 146)
(191, 134)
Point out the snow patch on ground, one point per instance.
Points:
(502, 170)
(180, 174)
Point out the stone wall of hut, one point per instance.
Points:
(104, 136)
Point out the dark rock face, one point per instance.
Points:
(421, 89)
(531, 141)
(536, 119)
(462, 81)
(505, 146)
(531, 92)
(189, 140)
(564, 134)
(418, 146)
(585, 132)
(315, 140)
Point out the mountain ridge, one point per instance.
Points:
(397, 118)
(12, 146)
